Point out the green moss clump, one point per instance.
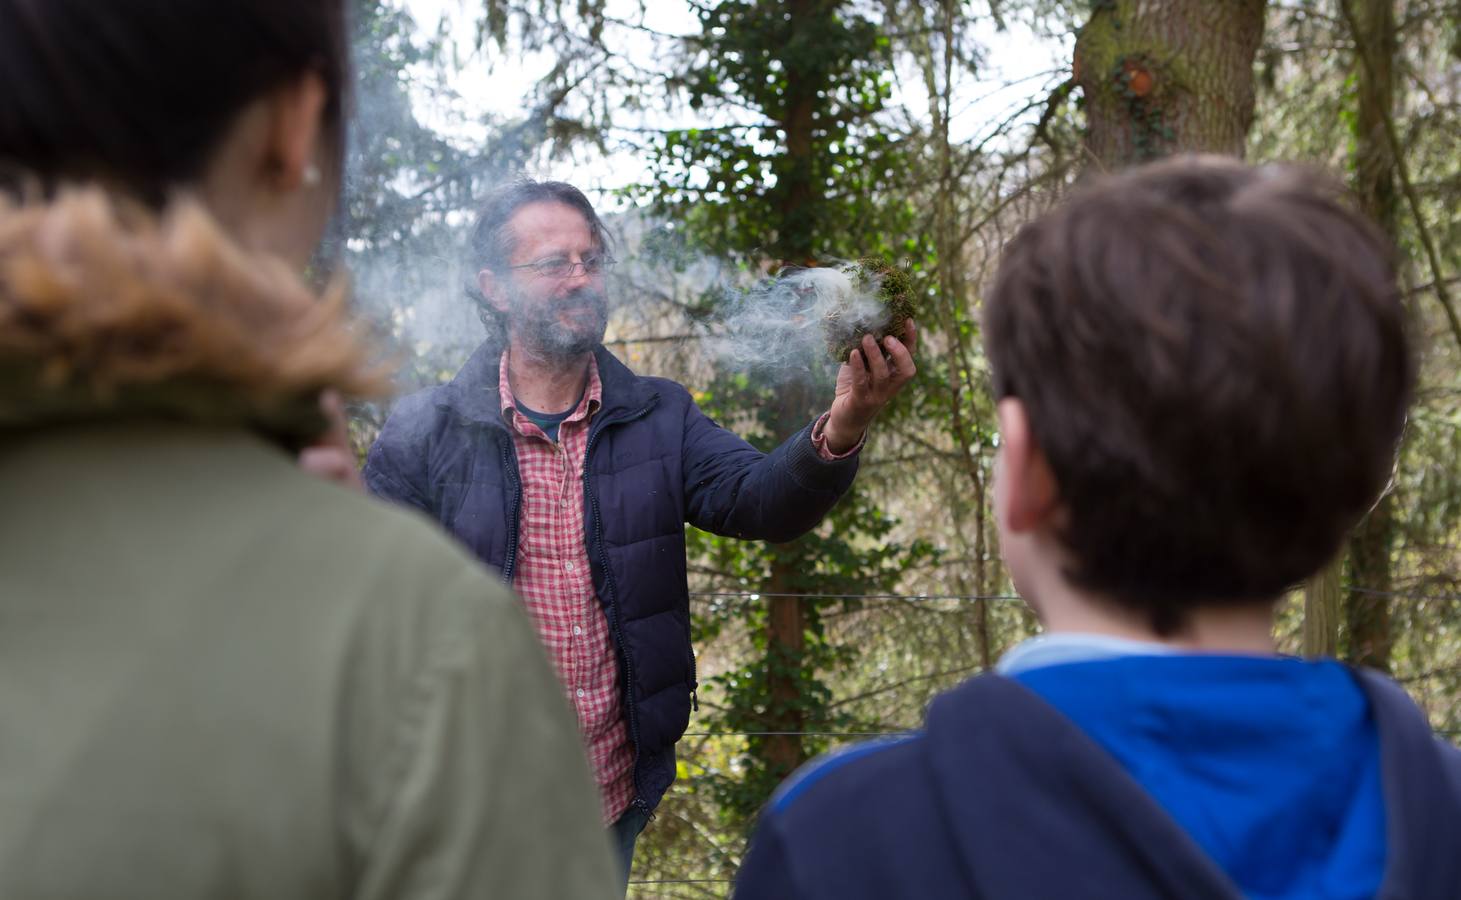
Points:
(895, 294)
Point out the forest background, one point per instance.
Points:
(747, 136)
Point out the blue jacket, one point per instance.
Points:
(654, 462)
(1003, 796)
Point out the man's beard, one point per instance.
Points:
(540, 330)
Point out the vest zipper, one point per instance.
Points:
(593, 497)
(509, 465)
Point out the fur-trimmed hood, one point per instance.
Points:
(108, 311)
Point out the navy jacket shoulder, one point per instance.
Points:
(1000, 796)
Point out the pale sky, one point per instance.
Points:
(1018, 63)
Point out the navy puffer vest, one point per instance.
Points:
(654, 462)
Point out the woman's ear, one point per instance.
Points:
(1028, 491)
(292, 144)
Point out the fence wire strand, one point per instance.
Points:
(687, 881)
(788, 733)
(816, 595)
(813, 595)
(1405, 595)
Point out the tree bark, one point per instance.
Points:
(1367, 609)
(1167, 76)
(1321, 613)
(798, 191)
(785, 648)
(954, 294)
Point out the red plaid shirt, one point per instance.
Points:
(553, 578)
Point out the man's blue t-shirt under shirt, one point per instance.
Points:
(549, 422)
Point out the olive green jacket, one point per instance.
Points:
(220, 677)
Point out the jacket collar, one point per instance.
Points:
(1422, 799)
(474, 393)
(1047, 784)
(110, 311)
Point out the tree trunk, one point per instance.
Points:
(785, 648)
(1167, 76)
(1367, 607)
(1321, 613)
(954, 298)
(798, 194)
(786, 626)
(1367, 613)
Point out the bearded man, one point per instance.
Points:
(574, 477)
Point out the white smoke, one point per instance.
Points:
(788, 323)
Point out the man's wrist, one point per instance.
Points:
(839, 443)
(834, 441)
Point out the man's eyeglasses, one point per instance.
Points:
(559, 267)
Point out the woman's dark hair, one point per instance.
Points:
(140, 92)
(1214, 361)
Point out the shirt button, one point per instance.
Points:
(577, 629)
(568, 565)
(581, 692)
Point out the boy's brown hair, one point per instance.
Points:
(1213, 359)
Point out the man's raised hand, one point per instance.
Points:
(865, 384)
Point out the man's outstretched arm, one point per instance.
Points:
(734, 490)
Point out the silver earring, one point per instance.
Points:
(311, 175)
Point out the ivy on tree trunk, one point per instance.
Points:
(1167, 77)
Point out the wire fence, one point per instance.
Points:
(792, 733)
(667, 881)
(819, 595)
(1404, 595)
(751, 596)
(757, 595)
(1445, 732)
